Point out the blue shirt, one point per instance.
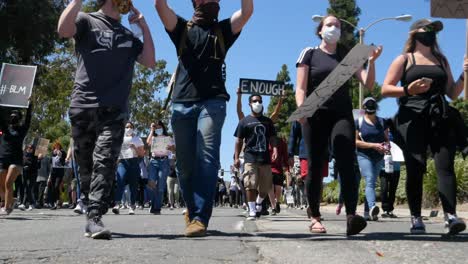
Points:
(371, 133)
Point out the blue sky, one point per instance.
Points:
(279, 30)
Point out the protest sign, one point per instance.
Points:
(42, 147)
(16, 83)
(342, 73)
(262, 87)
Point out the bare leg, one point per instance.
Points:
(12, 174)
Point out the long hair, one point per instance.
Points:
(160, 123)
(410, 46)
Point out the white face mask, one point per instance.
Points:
(331, 34)
(159, 131)
(128, 131)
(257, 107)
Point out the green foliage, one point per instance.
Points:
(461, 105)
(28, 33)
(349, 11)
(288, 106)
(145, 107)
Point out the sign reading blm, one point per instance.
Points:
(16, 83)
(261, 87)
(449, 8)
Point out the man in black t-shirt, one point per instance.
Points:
(256, 131)
(106, 52)
(199, 100)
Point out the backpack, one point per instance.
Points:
(181, 49)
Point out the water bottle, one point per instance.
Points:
(136, 29)
(388, 162)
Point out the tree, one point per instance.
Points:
(349, 11)
(288, 106)
(28, 33)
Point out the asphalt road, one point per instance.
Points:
(44, 236)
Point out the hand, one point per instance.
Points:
(153, 127)
(418, 87)
(302, 121)
(379, 147)
(375, 54)
(151, 184)
(237, 163)
(274, 156)
(171, 148)
(239, 92)
(137, 18)
(465, 64)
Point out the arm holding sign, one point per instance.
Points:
(27, 120)
(66, 26)
(454, 88)
(367, 77)
(240, 114)
(241, 17)
(274, 116)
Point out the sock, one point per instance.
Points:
(259, 203)
(252, 209)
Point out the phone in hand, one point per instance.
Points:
(427, 80)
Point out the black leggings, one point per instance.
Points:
(388, 188)
(418, 135)
(337, 129)
(56, 179)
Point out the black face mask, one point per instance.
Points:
(206, 14)
(426, 38)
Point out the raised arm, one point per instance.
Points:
(167, 15)
(147, 57)
(274, 116)
(242, 16)
(66, 25)
(367, 76)
(240, 114)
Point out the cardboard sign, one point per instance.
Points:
(262, 87)
(16, 83)
(342, 73)
(42, 147)
(160, 144)
(449, 8)
(397, 153)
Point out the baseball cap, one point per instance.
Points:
(422, 23)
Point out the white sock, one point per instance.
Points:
(252, 209)
(259, 200)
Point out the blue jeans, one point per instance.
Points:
(370, 170)
(197, 130)
(128, 172)
(158, 171)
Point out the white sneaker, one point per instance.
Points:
(30, 207)
(116, 209)
(22, 207)
(184, 211)
(252, 216)
(131, 210)
(374, 212)
(80, 208)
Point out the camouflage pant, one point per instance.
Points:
(97, 135)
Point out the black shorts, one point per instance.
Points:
(278, 179)
(7, 161)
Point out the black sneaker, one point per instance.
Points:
(355, 224)
(417, 225)
(95, 227)
(278, 208)
(454, 225)
(273, 211)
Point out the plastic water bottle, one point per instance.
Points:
(136, 29)
(388, 163)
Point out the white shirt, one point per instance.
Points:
(128, 152)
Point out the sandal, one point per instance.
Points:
(316, 227)
(338, 209)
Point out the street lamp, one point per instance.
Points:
(362, 31)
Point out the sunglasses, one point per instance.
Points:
(257, 101)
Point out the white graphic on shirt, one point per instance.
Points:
(260, 145)
(105, 39)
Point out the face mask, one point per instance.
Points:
(159, 131)
(128, 131)
(370, 107)
(331, 34)
(257, 108)
(206, 13)
(14, 120)
(428, 39)
(123, 6)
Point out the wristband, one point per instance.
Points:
(405, 88)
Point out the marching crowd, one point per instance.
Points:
(108, 155)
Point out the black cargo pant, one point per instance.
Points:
(97, 138)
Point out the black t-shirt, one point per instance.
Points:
(321, 64)
(106, 52)
(11, 140)
(200, 74)
(256, 132)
